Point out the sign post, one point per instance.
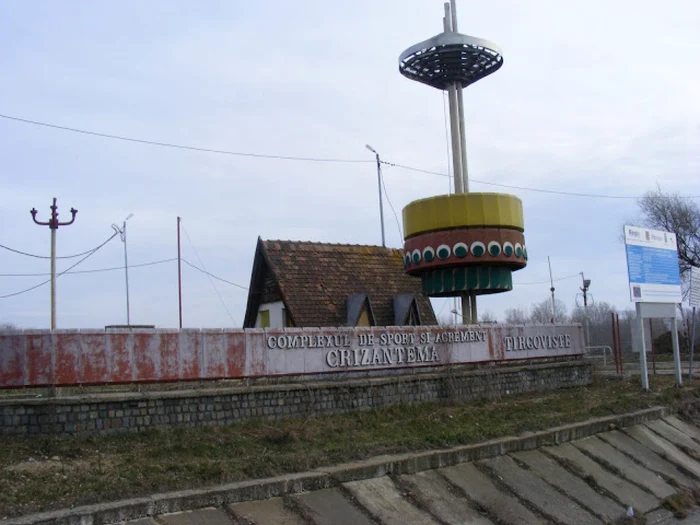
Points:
(694, 301)
(655, 286)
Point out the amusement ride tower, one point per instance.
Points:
(464, 244)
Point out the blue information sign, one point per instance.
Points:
(652, 265)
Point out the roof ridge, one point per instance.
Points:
(312, 244)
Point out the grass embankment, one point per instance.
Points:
(38, 474)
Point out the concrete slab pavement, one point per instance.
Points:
(543, 496)
(628, 469)
(265, 512)
(690, 430)
(573, 486)
(479, 488)
(659, 517)
(623, 491)
(664, 448)
(196, 517)
(382, 499)
(433, 492)
(330, 507)
(647, 457)
(675, 436)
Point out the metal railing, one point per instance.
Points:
(590, 350)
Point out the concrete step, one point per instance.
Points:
(647, 457)
(543, 496)
(628, 469)
(573, 486)
(575, 479)
(623, 491)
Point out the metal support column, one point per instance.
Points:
(676, 352)
(692, 347)
(642, 349)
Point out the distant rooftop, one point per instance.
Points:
(317, 282)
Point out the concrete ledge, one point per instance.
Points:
(112, 413)
(311, 384)
(325, 477)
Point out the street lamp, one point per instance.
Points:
(122, 233)
(379, 185)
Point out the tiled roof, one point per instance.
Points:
(316, 279)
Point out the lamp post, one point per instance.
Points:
(53, 225)
(379, 185)
(122, 233)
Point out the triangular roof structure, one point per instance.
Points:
(316, 280)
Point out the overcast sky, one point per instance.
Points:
(598, 96)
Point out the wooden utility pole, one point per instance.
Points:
(53, 225)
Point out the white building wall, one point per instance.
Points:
(276, 314)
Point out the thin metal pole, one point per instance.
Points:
(453, 15)
(381, 204)
(619, 347)
(692, 346)
(676, 351)
(551, 282)
(651, 342)
(642, 349)
(584, 289)
(456, 142)
(463, 139)
(126, 275)
(460, 125)
(614, 341)
(179, 271)
(453, 104)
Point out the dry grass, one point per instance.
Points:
(42, 473)
(680, 503)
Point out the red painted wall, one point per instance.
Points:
(75, 357)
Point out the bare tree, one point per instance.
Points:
(598, 313)
(599, 322)
(7, 327)
(516, 316)
(542, 312)
(488, 317)
(670, 212)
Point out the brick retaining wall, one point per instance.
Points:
(108, 413)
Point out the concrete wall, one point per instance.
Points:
(74, 357)
(135, 411)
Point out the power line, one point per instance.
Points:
(181, 146)
(20, 252)
(578, 274)
(214, 276)
(141, 265)
(526, 188)
(386, 193)
(208, 275)
(59, 274)
(96, 270)
(309, 159)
